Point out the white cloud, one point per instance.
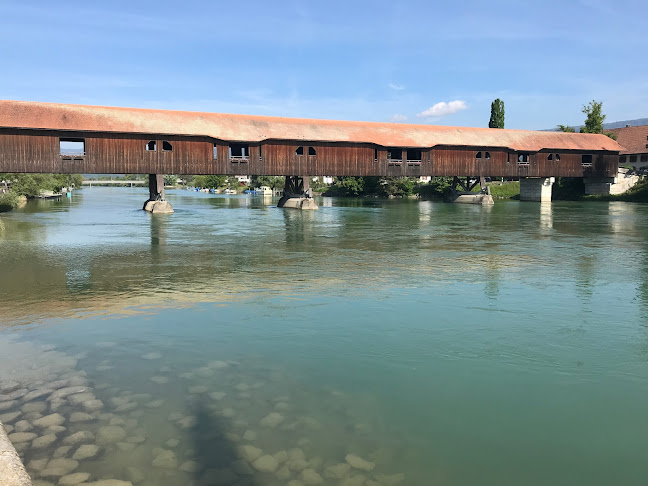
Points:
(396, 87)
(442, 109)
(398, 118)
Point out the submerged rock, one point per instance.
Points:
(23, 426)
(337, 471)
(172, 443)
(79, 398)
(44, 441)
(86, 451)
(250, 453)
(250, 435)
(34, 407)
(357, 480)
(273, 419)
(189, 466)
(76, 417)
(59, 467)
(359, 463)
(8, 405)
(8, 418)
(79, 438)
(109, 482)
(61, 451)
(73, 479)
(18, 437)
(390, 479)
(310, 476)
(166, 459)
(155, 404)
(50, 420)
(92, 405)
(110, 434)
(266, 463)
(37, 464)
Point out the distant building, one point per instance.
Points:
(635, 142)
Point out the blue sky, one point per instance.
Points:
(419, 62)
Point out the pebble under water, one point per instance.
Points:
(370, 343)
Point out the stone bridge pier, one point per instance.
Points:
(156, 202)
(536, 189)
(297, 194)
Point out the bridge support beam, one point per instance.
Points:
(297, 194)
(156, 202)
(463, 192)
(536, 189)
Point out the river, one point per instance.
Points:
(371, 342)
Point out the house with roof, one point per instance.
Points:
(634, 141)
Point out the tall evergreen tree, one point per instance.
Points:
(497, 114)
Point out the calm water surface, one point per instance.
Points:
(451, 344)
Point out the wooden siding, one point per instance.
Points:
(110, 153)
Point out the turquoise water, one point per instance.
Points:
(454, 344)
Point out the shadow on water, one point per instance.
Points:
(217, 461)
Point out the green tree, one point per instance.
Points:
(215, 181)
(273, 182)
(497, 114)
(170, 179)
(594, 117)
(566, 128)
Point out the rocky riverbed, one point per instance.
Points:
(80, 420)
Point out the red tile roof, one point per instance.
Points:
(633, 139)
(53, 116)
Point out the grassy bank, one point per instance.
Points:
(638, 193)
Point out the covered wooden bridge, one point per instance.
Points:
(49, 137)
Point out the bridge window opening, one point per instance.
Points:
(523, 159)
(375, 155)
(478, 155)
(550, 157)
(633, 159)
(72, 146)
(215, 153)
(644, 158)
(394, 156)
(260, 155)
(239, 153)
(166, 146)
(488, 155)
(299, 151)
(151, 146)
(413, 154)
(586, 160)
(312, 151)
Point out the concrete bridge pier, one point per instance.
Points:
(611, 185)
(156, 202)
(536, 189)
(297, 194)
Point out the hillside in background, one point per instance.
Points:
(617, 124)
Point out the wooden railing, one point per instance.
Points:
(394, 162)
(413, 163)
(239, 159)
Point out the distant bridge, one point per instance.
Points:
(48, 137)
